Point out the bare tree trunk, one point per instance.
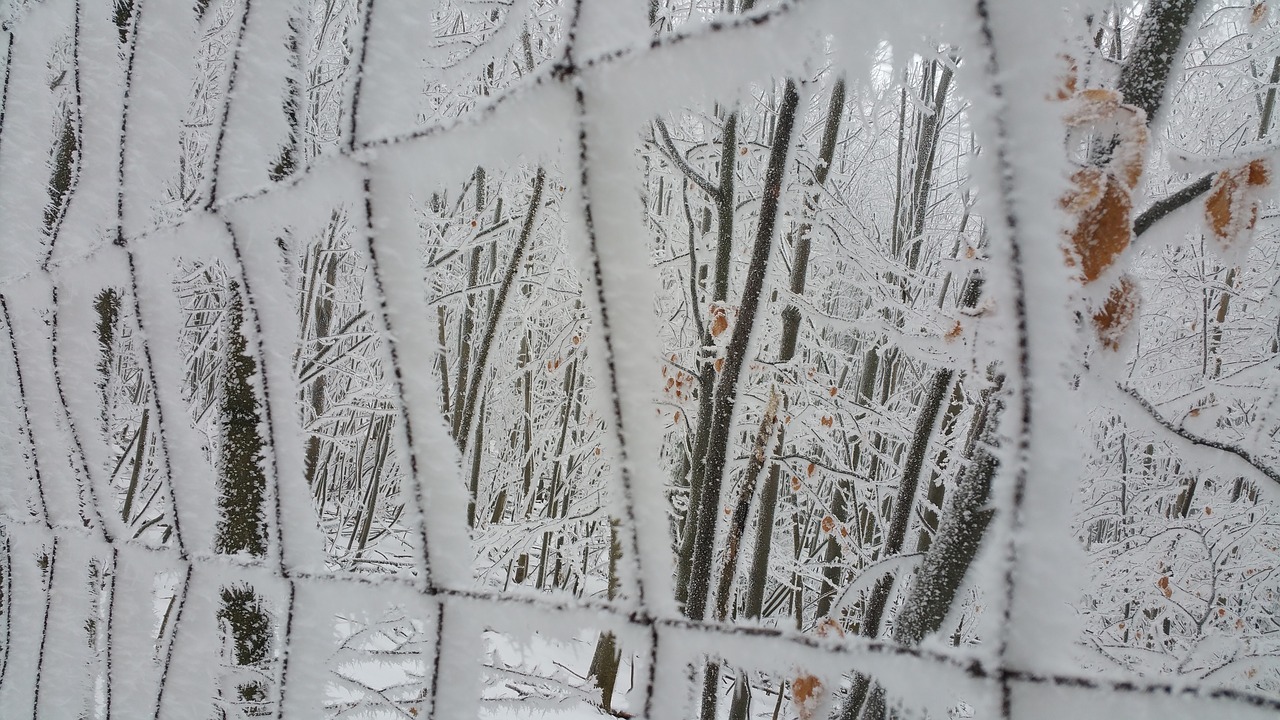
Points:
(486, 343)
(726, 388)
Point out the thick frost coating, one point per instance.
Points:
(265, 453)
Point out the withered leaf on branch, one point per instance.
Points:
(1231, 208)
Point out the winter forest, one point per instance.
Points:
(706, 359)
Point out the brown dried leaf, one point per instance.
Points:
(719, 320)
(1257, 14)
(1099, 200)
(1093, 105)
(1259, 173)
(1231, 208)
(806, 695)
(828, 627)
(719, 324)
(1116, 315)
(1103, 228)
(1097, 106)
(1219, 212)
(1070, 78)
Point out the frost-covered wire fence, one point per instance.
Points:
(150, 356)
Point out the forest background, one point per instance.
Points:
(834, 398)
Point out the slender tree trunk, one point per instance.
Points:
(726, 388)
(467, 424)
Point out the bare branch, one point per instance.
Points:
(1249, 458)
(1162, 208)
(669, 149)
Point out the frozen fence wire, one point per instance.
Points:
(111, 614)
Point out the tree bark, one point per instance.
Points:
(726, 388)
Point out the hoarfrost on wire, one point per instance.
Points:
(367, 359)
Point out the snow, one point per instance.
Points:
(172, 128)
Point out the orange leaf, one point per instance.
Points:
(954, 332)
(1096, 106)
(827, 421)
(1231, 209)
(719, 364)
(1102, 208)
(719, 324)
(1070, 78)
(1099, 200)
(1113, 320)
(1219, 212)
(806, 694)
(827, 627)
(1259, 174)
(811, 468)
(828, 523)
(832, 392)
(795, 484)
(676, 418)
